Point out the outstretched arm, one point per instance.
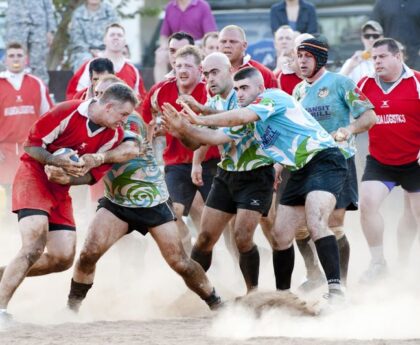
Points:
(231, 118)
(190, 135)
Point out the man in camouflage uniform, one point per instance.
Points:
(32, 23)
(87, 28)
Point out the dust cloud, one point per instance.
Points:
(134, 283)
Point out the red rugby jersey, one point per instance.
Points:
(128, 73)
(270, 80)
(167, 92)
(66, 125)
(288, 81)
(395, 138)
(82, 94)
(19, 109)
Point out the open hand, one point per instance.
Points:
(191, 102)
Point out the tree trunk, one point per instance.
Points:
(61, 39)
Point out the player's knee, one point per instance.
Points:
(88, 258)
(63, 263)
(33, 254)
(181, 265)
(179, 210)
(244, 242)
(368, 204)
(280, 241)
(205, 241)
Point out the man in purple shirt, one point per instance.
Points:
(191, 16)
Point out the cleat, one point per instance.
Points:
(311, 284)
(74, 304)
(375, 273)
(335, 300)
(6, 319)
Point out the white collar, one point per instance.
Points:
(83, 107)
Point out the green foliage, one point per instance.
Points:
(65, 8)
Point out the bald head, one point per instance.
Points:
(234, 28)
(216, 69)
(232, 42)
(218, 59)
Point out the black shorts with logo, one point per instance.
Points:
(140, 218)
(326, 171)
(180, 186)
(250, 190)
(349, 196)
(407, 176)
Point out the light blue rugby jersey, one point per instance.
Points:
(286, 131)
(244, 152)
(331, 100)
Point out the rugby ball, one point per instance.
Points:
(74, 157)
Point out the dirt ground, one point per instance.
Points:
(137, 299)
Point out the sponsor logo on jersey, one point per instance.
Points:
(390, 119)
(323, 92)
(385, 103)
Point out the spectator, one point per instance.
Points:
(24, 98)
(32, 23)
(87, 28)
(290, 76)
(232, 43)
(361, 63)
(284, 44)
(300, 15)
(114, 46)
(401, 21)
(98, 69)
(178, 15)
(210, 43)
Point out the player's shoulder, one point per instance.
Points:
(365, 81)
(416, 74)
(67, 106)
(259, 66)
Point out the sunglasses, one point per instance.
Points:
(374, 36)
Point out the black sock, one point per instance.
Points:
(327, 250)
(249, 263)
(213, 300)
(78, 292)
(283, 262)
(204, 259)
(344, 250)
(308, 255)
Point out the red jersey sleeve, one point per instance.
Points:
(146, 110)
(74, 81)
